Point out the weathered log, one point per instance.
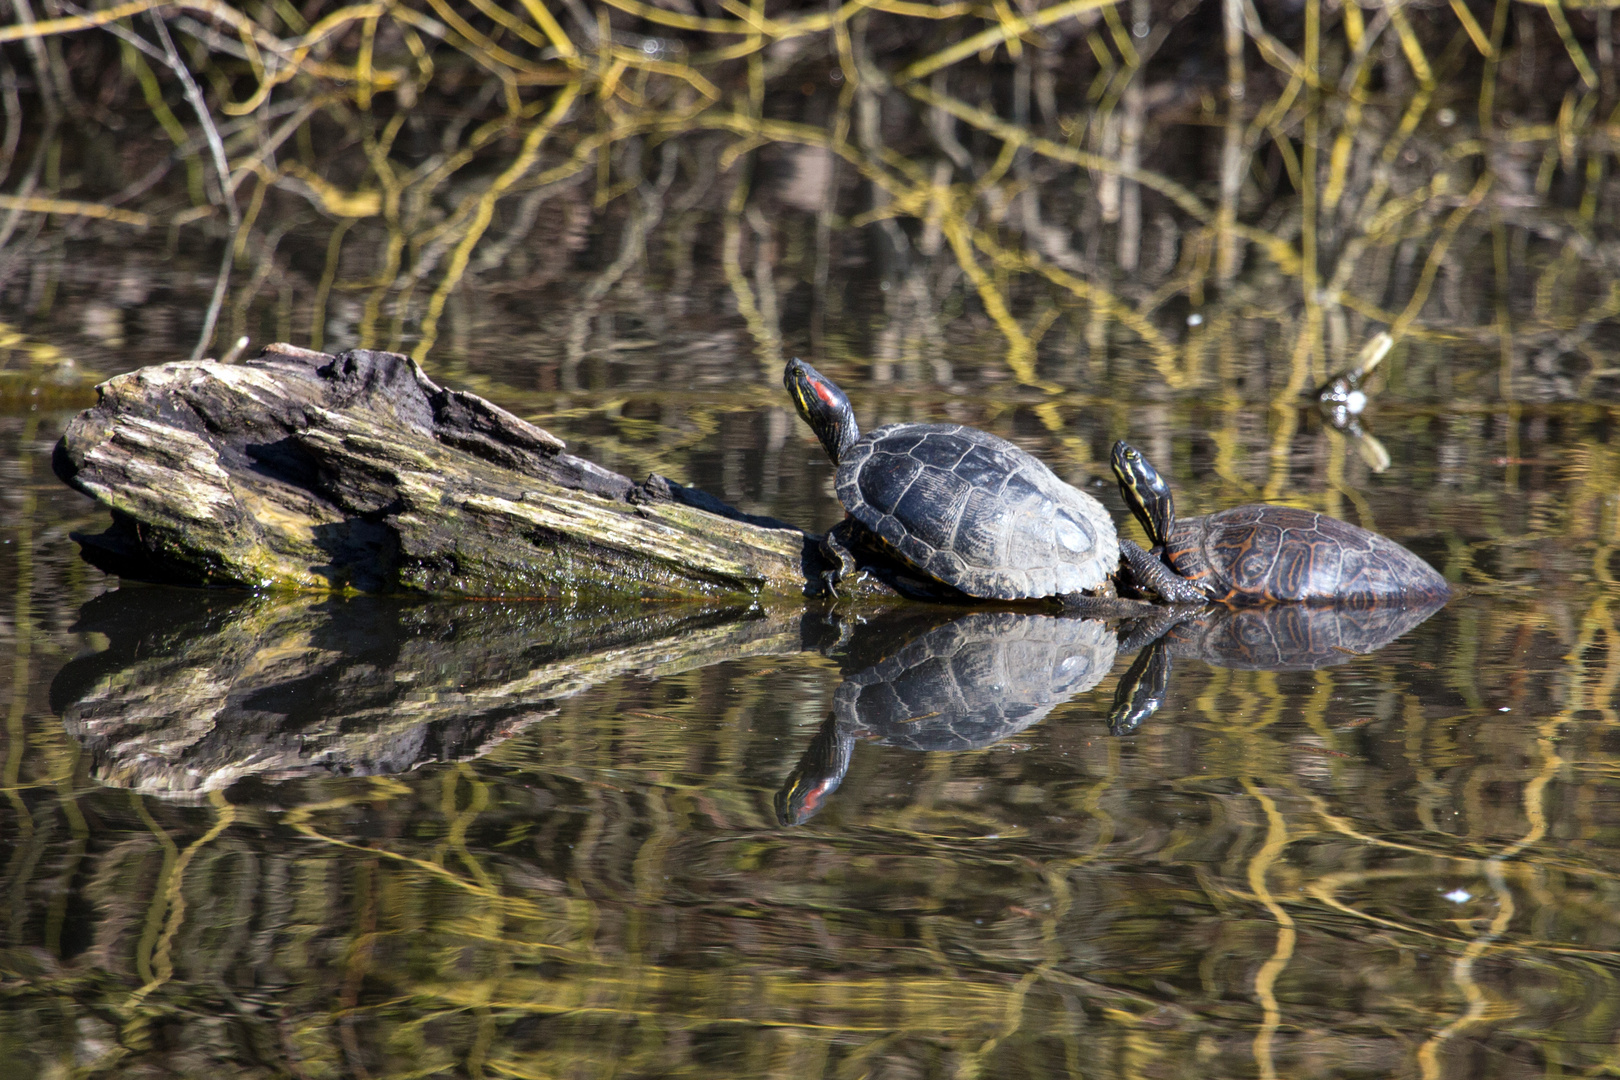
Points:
(355, 472)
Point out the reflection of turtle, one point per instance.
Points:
(959, 505)
(1282, 637)
(960, 686)
(1262, 554)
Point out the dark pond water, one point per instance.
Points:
(287, 835)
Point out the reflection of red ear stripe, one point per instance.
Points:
(822, 392)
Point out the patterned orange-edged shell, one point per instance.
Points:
(1261, 554)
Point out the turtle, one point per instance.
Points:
(1262, 553)
(957, 505)
(960, 685)
(1281, 637)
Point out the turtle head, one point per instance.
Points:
(823, 406)
(817, 774)
(1142, 689)
(1145, 492)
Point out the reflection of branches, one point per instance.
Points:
(632, 249)
(222, 172)
(1022, 230)
(531, 868)
(591, 875)
(485, 212)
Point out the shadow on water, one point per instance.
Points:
(1286, 637)
(981, 678)
(964, 685)
(196, 691)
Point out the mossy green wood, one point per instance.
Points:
(303, 470)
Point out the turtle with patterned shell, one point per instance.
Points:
(958, 506)
(1264, 554)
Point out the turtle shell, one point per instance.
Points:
(1262, 554)
(962, 685)
(976, 512)
(1295, 637)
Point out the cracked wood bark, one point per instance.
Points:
(355, 472)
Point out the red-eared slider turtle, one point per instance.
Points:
(1264, 554)
(961, 686)
(958, 505)
(1281, 637)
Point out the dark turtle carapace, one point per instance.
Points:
(958, 505)
(1263, 554)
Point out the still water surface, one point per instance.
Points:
(412, 836)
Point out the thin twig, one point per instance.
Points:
(13, 104)
(44, 83)
(222, 169)
(36, 165)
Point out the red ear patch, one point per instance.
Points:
(821, 391)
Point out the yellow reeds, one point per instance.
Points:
(33, 204)
(1008, 29)
(486, 210)
(363, 65)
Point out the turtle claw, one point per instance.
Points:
(845, 565)
(828, 578)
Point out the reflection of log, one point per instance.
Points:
(198, 690)
(299, 469)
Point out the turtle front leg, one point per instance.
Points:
(832, 546)
(1147, 572)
